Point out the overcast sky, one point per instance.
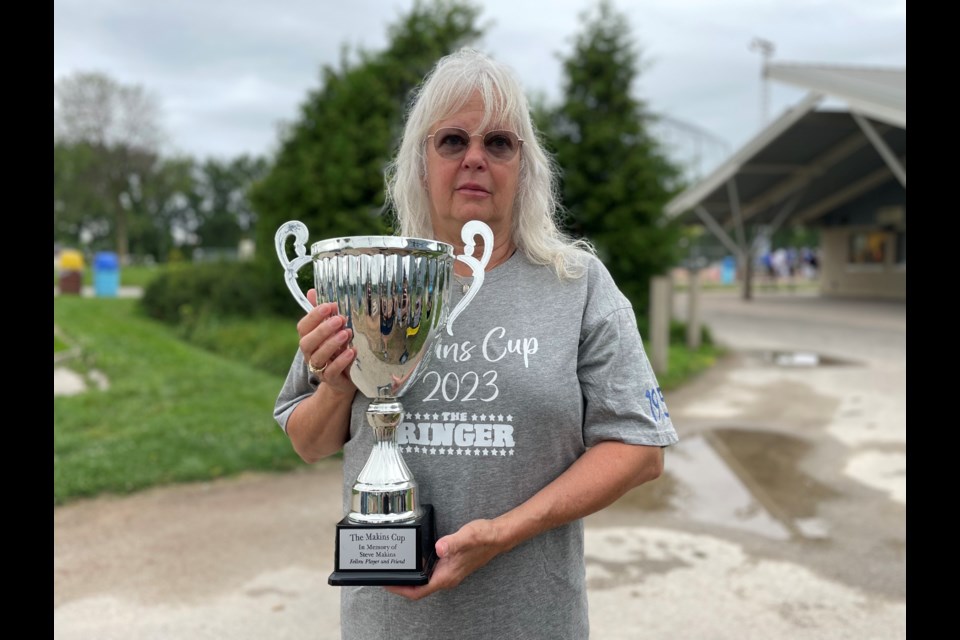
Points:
(227, 73)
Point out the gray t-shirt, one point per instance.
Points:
(537, 370)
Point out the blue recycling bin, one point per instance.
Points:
(728, 270)
(106, 274)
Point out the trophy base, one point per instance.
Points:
(385, 554)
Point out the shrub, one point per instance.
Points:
(224, 288)
(240, 310)
(678, 331)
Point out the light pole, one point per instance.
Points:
(766, 49)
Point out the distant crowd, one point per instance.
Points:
(790, 263)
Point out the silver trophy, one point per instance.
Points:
(395, 294)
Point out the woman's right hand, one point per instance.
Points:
(323, 340)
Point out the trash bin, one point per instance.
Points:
(728, 270)
(70, 279)
(106, 274)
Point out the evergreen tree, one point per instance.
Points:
(616, 177)
(329, 172)
(221, 209)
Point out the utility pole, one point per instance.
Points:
(766, 49)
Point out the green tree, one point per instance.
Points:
(76, 207)
(221, 209)
(616, 177)
(107, 135)
(328, 172)
(162, 207)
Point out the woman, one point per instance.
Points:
(557, 410)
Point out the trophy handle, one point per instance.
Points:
(470, 231)
(298, 230)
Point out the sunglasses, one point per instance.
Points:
(452, 143)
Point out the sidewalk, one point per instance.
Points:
(781, 514)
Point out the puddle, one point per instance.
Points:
(801, 359)
(738, 478)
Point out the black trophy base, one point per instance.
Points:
(385, 554)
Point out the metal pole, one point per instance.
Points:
(659, 323)
(766, 49)
(693, 311)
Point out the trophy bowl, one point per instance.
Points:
(395, 293)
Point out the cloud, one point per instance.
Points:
(229, 73)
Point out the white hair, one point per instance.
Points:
(446, 89)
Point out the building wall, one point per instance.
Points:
(863, 262)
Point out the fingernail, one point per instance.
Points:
(343, 336)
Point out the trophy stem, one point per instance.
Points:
(385, 491)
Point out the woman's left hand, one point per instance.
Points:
(461, 553)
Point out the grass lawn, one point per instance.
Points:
(684, 364)
(59, 345)
(173, 412)
(267, 343)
